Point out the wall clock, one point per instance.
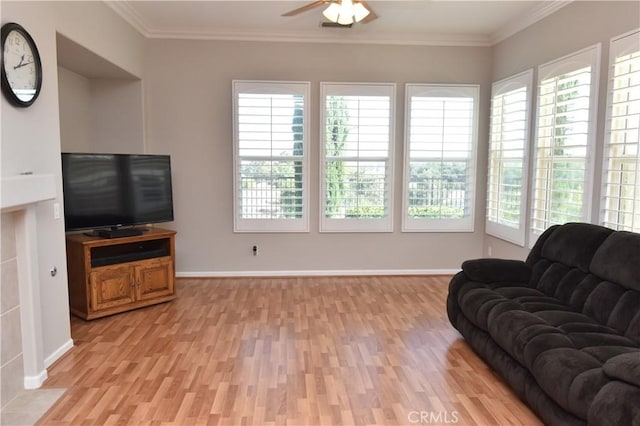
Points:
(21, 66)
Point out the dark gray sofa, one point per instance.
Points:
(562, 328)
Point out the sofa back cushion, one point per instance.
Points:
(592, 269)
(618, 260)
(574, 244)
(560, 261)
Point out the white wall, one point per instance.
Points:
(576, 26)
(189, 115)
(31, 136)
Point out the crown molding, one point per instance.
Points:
(124, 9)
(337, 38)
(129, 14)
(532, 16)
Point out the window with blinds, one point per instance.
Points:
(357, 152)
(270, 156)
(441, 127)
(508, 165)
(565, 130)
(621, 194)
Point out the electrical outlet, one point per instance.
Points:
(56, 210)
(490, 251)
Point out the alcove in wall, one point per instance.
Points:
(101, 105)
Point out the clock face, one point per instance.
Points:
(21, 66)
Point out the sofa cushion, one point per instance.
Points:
(569, 376)
(584, 327)
(605, 353)
(624, 312)
(574, 244)
(584, 389)
(512, 330)
(583, 290)
(477, 302)
(568, 284)
(616, 404)
(625, 367)
(603, 300)
(633, 331)
(617, 260)
(564, 316)
(585, 340)
(615, 306)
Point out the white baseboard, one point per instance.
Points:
(34, 382)
(66, 347)
(308, 273)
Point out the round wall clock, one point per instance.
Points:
(21, 66)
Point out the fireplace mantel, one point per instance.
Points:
(19, 191)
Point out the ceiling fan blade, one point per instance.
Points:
(371, 16)
(305, 8)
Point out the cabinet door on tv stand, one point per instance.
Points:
(155, 278)
(112, 286)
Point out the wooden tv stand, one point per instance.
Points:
(112, 275)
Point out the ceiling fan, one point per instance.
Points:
(342, 12)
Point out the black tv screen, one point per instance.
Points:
(113, 190)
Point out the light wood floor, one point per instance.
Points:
(297, 351)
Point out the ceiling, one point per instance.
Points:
(417, 22)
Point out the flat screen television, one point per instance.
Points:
(114, 192)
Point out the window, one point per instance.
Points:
(508, 165)
(565, 131)
(270, 156)
(440, 157)
(621, 176)
(357, 157)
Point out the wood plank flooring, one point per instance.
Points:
(275, 351)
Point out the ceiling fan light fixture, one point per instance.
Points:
(345, 12)
(332, 13)
(360, 12)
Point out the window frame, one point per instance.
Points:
(466, 224)
(269, 225)
(621, 45)
(384, 224)
(516, 235)
(589, 56)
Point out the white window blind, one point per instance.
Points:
(440, 157)
(270, 156)
(565, 131)
(357, 152)
(508, 165)
(621, 203)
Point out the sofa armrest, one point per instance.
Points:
(625, 367)
(497, 270)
